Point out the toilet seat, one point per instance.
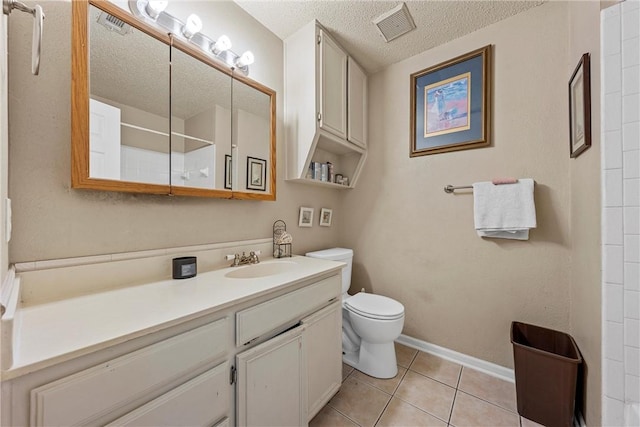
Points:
(374, 306)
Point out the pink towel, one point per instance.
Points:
(500, 181)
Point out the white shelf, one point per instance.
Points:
(319, 183)
(157, 132)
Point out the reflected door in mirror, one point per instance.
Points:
(129, 109)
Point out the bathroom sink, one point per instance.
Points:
(261, 270)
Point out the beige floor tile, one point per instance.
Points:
(427, 394)
(436, 368)
(387, 385)
(491, 389)
(404, 354)
(329, 417)
(524, 422)
(471, 411)
(401, 414)
(346, 370)
(360, 401)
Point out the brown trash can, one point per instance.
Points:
(546, 366)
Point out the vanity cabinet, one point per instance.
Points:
(94, 395)
(271, 359)
(325, 107)
(272, 382)
(323, 356)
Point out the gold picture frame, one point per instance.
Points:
(451, 105)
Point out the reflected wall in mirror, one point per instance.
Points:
(200, 122)
(253, 133)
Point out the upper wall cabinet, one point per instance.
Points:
(152, 113)
(325, 109)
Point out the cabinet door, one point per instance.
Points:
(199, 402)
(272, 382)
(323, 350)
(333, 87)
(357, 105)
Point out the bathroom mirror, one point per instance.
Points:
(152, 113)
(200, 123)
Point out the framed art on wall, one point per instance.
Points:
(450, 104)
(580, 107)
(256, 174)
(305, 218)
(227, 171)
(325, 217)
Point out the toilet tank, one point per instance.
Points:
(337, 254)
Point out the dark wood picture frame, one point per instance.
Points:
(256, 174)
(580, 107)
(451, 105)
(228, 172)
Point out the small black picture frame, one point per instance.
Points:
(227, 171)
(256, 174)
(580, 107)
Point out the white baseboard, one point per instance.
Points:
(462, 359)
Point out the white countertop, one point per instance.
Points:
(54, 332)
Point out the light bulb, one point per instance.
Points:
(193, 25)
(155, 7)
(245, 59)
(223, 43)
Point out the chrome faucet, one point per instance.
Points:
(244, 259)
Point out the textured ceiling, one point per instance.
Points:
(350, 23)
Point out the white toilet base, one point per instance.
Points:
(375, 360)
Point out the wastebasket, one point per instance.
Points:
(546, 366)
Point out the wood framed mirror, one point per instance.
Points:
(152, 113)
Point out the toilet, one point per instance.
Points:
(370, 323)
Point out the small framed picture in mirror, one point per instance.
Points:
(325, 217)
(306, 217)
(256, 174)
(227, 171)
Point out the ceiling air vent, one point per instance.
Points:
(394, 23)
(114, 24)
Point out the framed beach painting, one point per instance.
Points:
(580, 107)
(450, 104)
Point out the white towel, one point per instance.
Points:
(504, 211)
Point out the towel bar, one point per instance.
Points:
(451, 188)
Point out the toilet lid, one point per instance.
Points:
(375, 306)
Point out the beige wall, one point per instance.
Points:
(4, 145)
(51, 220)
(417, 244)
(585, 297)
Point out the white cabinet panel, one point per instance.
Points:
(333, 86)
(272, 382)
(356, 104)
(323, 350)
(199, 402)
(282, 311)
(92, 393)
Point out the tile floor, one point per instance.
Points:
(428, 391)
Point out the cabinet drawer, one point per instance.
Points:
(199, 402)
(268, 316)
(95, 392)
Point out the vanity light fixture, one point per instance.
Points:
(155, 8)
(153, 13)
(193, 25)
(245, 60)
(223, 43)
